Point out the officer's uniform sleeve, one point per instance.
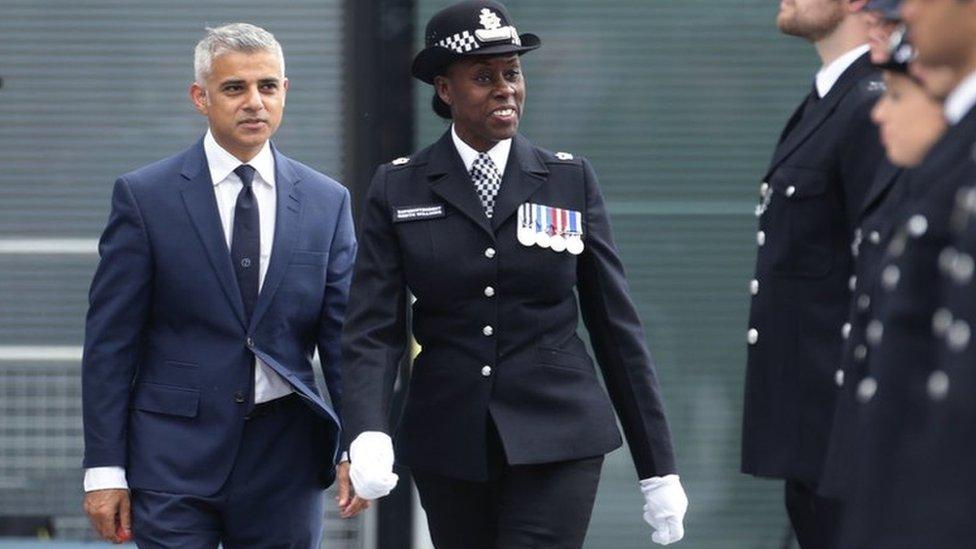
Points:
(374, 334)
(618, 341)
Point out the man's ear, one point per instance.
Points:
(198, 96)
(443, 89)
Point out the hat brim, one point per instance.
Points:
(429, 62)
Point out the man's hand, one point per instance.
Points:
(109, 512)
(350, 504)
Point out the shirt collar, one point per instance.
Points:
(829, 75)
(222, 163)
(961, 100)
(498, 153)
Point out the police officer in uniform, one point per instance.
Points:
(505, 424)
(810, 201)
(912, 121)
(900, 498)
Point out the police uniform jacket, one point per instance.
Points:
(893, 499)
(496, 321)
(811, 199)
(880, 214)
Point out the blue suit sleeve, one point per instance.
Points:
(342, 255)
(618, 341)
(119, 304)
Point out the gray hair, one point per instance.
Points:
(233, 37)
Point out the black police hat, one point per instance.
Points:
(471, 27)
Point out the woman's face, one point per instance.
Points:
(908, 119)
(486, 95)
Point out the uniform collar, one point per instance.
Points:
(830, 74)
(961, 100)
(498, 153)
(221, 163)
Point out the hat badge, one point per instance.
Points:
(493, 30)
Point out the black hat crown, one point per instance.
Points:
(471, 27)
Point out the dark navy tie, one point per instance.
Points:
(245, 248)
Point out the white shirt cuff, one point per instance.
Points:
(105, 478)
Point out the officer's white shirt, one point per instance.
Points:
(268, 385)
(498, 153)
(961, 100)
(830, 74)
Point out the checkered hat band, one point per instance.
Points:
(464, 41)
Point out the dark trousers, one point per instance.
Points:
(274, 496)
(518, 507)
(816, 520)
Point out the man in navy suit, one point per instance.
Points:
(222, 269)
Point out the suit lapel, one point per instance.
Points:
(287, 227)
(524, 173)
(449, 180)
(883, 180)
(820, 112)
(201, 205)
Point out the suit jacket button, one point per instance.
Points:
(486, 371)
(239, 397)
(490, 253)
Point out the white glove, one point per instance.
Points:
(664, 508)
(371, 465)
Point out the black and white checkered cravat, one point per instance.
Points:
(486, 180)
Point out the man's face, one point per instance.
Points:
(943, 31)
(243, 98)
(810, 19)
(486, 96)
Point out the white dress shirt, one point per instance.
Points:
(830, 74)
(961, 100)
(498, 153)
(268, 385)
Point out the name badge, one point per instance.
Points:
(557, 229)
(416, 213)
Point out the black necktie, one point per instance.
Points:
(811, 101)
(245, 248)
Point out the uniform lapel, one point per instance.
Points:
(449, 180)
(820, 112)
(524, 172)
(886, 176)
(201, 205)
(287, 218)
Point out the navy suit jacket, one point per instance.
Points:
(168, 356)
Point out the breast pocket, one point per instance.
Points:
(803, 219)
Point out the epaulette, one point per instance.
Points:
(564, 156)
(402, 161)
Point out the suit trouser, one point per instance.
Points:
(518, 507)
(816, 520)
(273, 497)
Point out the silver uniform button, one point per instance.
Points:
(845, 330)
(962, 268)
(486, 371)
(958, 336)
(487, 330)
(852, 283)
(875, 331)
(489, 292)
(863, 302)
(941, 321)
(761, 238)
(752, 336)
(918, 224)
(490, 253)
(938, 385)
(866, 389)
(947, 257)
(754, 287)
(890, 277)
(791, 190)
(875, 237)
(860, 353)
(763, 188)
(839, 377)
